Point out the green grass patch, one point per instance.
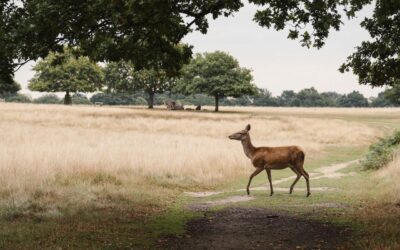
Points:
(381, 152)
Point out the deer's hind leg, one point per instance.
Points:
(296, 180)
(299, 168)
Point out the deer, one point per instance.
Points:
(270, 158)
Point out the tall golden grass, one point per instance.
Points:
(390, 176)
(56, 156)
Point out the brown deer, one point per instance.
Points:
(269, 158)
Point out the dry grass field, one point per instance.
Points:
(57, 161)
(54, 156)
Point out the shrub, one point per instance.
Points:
(21, 98)
(78, 98)
(381, 153)
(48, 99)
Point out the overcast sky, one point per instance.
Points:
(278, 63)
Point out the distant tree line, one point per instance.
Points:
(208, 79)
(308, 97)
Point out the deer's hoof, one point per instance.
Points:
(308, 194)
(248, 192)
(290, 191)
(271, 194)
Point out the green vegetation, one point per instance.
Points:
(381, 152)
(21, 98)
(48, 99)
(216, 74)
(64, 72)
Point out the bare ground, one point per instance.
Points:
(257, 228)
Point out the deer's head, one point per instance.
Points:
(241, 135)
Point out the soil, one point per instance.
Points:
(257, 228)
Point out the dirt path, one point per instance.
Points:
(258, 228)
(255, 228)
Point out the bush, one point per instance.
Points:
(48, 99)
(118, 99)
(381, 153)
(78, 98)
(17, 98)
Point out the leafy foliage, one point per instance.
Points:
(321, 15)
(121, 77)
(377, 62)
(216, 74)
(47, 99)
(19, 98)
(118, 99)
(393, 94)
(146, 32)
(64, 72)
(353, 99)
(381, 153)
(9, 87)
(80, 99)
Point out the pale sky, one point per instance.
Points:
(278, 63)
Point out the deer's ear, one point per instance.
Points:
(248, 127)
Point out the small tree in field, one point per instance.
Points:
(121, 77)
(217, 74)
(152, 82)
(63, 72)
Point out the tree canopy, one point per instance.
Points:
(121, 77)
(217, 74)
(148, 33)
(145, 32)
(63, 72)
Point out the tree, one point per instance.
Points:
(264, 98)
(121, 77)
(118, 77)
(217, 74)
(145, 32)
(152, 81)
(353, 99)
(381, 101)
(288, 98)
(63, 72)
(330, 98)
(9, 87)
(393, 94)
(377, 62)
(310, 98)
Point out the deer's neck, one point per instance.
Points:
(248, 147)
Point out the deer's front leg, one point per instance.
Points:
(258, 170)
(270, 181)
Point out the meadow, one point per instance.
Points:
(61, 165)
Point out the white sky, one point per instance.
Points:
(278, 63)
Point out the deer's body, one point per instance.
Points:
(269, 158)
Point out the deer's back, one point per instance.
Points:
(277, 157)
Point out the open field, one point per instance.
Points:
(90, 173)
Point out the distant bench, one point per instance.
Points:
(98, 103)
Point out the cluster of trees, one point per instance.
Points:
(304, 98)
(209, 78)
(216, 74)
(148, 34)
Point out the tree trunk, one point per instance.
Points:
(216, 103)
(151, 100)
(67, 99)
